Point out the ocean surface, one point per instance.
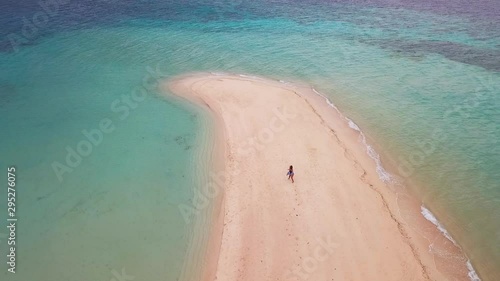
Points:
(103, 161)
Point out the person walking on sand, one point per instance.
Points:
(290, 173)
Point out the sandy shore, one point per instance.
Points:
(338, 221)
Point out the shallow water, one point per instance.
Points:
(422, 81)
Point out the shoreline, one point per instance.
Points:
(412, 249)
(394, 181)
(205, 211)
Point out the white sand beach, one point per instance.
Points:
(338, 221)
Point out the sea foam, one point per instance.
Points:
(386, 177)
(383, 174)
(472, 273)
(430, 217)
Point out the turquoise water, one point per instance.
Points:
(424, 87)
